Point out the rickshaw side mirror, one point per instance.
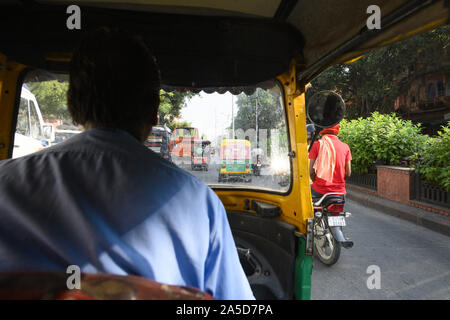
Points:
(325, 109)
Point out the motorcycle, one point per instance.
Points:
(257, 167)
(329, 220)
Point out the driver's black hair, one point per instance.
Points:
(114, 82)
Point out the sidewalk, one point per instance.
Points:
(427, 219)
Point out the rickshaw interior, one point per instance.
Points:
(241, 56)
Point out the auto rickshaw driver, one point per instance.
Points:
(113, 208)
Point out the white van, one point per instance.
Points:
(31, 133)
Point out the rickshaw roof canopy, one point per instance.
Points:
(218, 44)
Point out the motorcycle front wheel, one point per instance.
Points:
(327, 248)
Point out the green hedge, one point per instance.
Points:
(433, 162)
(381, 139)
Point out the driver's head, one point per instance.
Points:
(114, 83)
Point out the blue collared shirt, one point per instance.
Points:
(103, 201)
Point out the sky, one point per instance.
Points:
(210, 113)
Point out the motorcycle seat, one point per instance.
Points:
(329, 198)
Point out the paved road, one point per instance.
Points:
(414, 262)
(267, 179)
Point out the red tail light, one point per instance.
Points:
(335, 208)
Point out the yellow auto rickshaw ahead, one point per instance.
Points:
(235, 158)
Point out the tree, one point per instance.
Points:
(373, 82)
(176, 124)
(171, 105)
(51, 97)
(270, 113)
(264, 105)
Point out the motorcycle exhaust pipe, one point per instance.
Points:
(339, 236)
(347, 244)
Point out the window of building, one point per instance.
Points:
(440, 88)
(422, 93)
(431, 91)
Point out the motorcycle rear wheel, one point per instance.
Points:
(323, 250)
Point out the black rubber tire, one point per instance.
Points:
(333, 258)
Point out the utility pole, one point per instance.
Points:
(215, 124)
(256, 115)
(232, 113)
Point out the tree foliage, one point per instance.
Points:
(381, 138)
(433, 163)
(171, 105)
(373, 82)
(51, 97)
(176, 124)
(266, 103)
(265, 107)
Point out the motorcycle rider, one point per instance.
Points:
(257, 154)
(330, 163)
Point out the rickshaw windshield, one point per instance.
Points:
(249, 126)
(243, 129)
